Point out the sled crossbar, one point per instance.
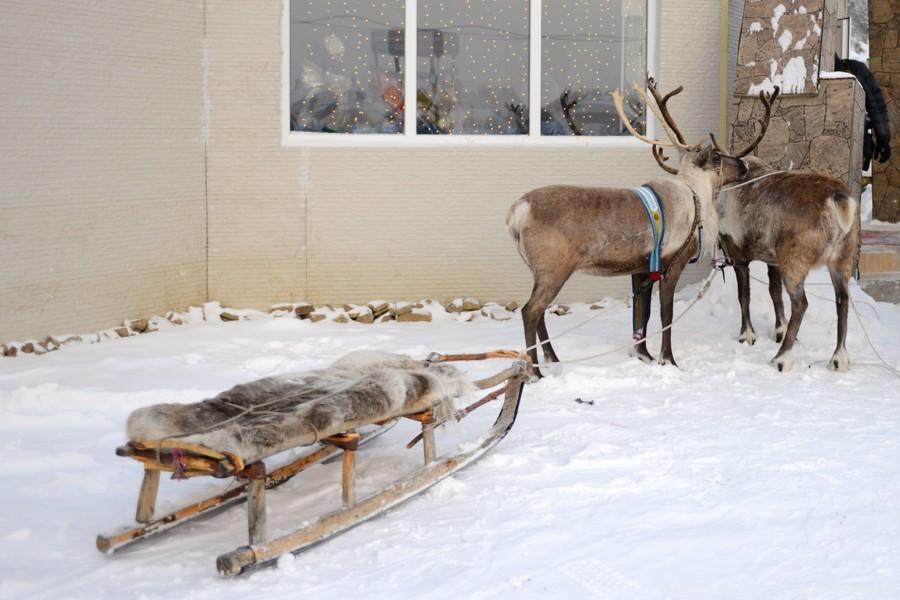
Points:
(184, 460)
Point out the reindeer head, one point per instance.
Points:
(701, 160)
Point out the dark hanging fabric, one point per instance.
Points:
(878, 122)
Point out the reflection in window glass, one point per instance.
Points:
(472, 67)
(590, 48)
(346, 66)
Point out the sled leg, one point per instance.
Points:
(428, 443)
(348, 483)
(426, 418)
(256, 501)
(349, 443)
(147, 498)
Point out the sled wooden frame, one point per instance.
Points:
(193, 460)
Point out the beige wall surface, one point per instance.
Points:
(101, 163)
(356, 224)
(110, 209)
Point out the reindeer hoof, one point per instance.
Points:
(783, 363)
(748, 336)
(840, 361)
(779, 333)
(644, 357)
(668, 360)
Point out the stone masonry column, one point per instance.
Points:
(818, 120)
(884, 60)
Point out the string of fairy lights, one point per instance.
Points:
(347, 62)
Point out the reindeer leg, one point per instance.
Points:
(775, 292)
(642, 296)
(666, 311)
(784, 361)
(742, 274)
(840, 361)
(544, 336)
(546, 287)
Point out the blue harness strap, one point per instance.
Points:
(657, 225)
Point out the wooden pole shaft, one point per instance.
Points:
(146, 504)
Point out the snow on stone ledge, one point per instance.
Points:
(835, 75)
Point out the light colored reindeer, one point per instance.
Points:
(561, 229)
(793, 221)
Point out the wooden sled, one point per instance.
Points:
(185, 459)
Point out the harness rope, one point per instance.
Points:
(749, 181)
(705, 285)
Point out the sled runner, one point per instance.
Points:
(334, 410)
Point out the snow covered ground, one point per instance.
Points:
(724, 479)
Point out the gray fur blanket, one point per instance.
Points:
(261, 418)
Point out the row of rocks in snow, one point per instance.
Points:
(377, 311)
(128, 328)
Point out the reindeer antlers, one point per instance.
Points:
(661, 160)
(767, 100)
(660, 109)
(661, 102)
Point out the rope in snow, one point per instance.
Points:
(883, 363)
(705, 284)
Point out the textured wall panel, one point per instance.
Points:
(101, 159)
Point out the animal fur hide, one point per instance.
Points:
(258, 419)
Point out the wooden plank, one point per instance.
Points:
(147, 497)
(422, 417)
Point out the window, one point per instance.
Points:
(484, 70)
(346, 66)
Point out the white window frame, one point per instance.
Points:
(409, 138)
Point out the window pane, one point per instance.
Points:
(589, 48)
(347, 66)
(472, 67)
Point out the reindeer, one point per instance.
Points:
(793, 221)
(561, 229)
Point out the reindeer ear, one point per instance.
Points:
(703, 157)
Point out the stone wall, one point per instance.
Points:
(785, 44)
(822, 132)
(884, 52)
(817, 121)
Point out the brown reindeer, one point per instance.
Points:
(561, 229)
(793, 221)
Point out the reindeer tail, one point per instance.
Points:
(844, 210)
(515, 222)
